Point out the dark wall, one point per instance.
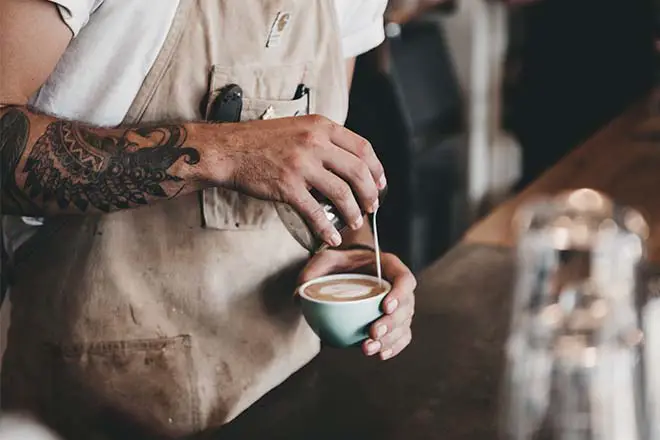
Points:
(582, 63)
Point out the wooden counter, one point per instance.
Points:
(622, 160)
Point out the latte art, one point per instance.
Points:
(347, 290)
(344, 289)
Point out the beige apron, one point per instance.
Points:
(146, 322)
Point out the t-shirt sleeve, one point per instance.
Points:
(361, 25)
(76, 13)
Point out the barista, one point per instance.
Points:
(161, 306)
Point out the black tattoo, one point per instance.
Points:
(79, 166)
(14, 131)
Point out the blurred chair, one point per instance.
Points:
(479, 32)
(429, 99)
(405, 99)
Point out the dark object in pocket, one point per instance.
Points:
(228, 105)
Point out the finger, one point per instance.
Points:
(357, 174)
(334, 261)
(340, 194)
(403, 283)
(313, 212)
(388, 323)
(371, 347)
(360, 147)
(397, 347)
(388, 341)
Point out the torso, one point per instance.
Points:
(147, 311)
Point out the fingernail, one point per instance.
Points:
(382, 182)
(391, 306)
(386, 354)
(374, 207)
(373, 347)
(357, 224)
(335, 239)
(380, 331)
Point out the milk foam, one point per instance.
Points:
(345, 290)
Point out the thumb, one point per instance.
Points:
(335, 261)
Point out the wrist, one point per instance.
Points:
(217, 164)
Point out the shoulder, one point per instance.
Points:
(360, 24)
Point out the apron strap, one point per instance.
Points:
(163, 60)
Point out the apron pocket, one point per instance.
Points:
(130, 389)
(224, 209)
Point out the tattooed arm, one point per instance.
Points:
(51, 166)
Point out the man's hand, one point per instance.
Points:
(283, 159)
(280, 159)
(391, 333)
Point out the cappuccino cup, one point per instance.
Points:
(340, 308)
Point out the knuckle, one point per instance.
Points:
(363, 148)
(361, 173)
(317, 213)
(395, 336)
(335, 129)
(297, 163)
(402, 317)
(309, 137)
(341, 193)
(386, 322)
(318, 218)
(317, 119)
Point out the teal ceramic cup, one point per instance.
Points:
(342, 323)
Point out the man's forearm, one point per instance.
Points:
(52, 166)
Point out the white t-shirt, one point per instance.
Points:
(116, 42)
(114, 46)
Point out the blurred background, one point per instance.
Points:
(468, 101)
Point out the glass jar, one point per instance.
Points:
(574, 367)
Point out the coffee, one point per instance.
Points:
(339, 308)
(343, 290)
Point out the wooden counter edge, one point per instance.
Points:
(496, 228)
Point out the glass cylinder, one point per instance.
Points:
(574, 349)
